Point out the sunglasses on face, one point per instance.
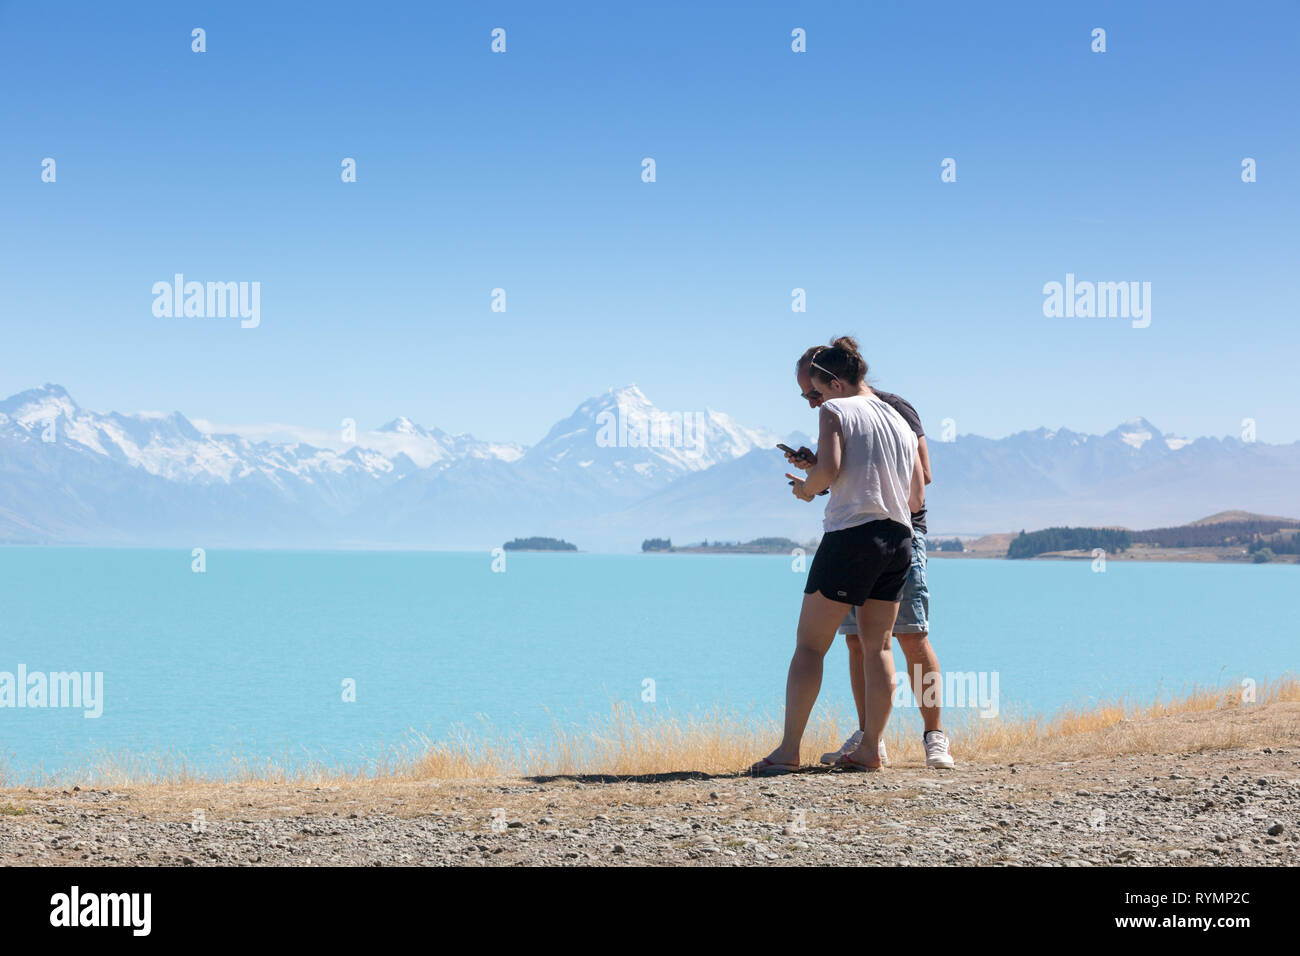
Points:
(812, 394)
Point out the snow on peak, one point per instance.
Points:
(402, 426)
(622, 431)
(38, 406)
(1136, 432)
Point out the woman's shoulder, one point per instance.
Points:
(839, 405)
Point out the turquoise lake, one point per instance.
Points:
(251, 657)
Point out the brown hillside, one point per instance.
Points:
(1226, 516)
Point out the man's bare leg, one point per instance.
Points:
(927, 683)
(857, 678)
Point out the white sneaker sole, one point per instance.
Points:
(940, 763)
(830, 759)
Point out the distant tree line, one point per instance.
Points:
(1278, 544)
(1210, 535)
(773, 544)
(539, 544)
(1068, 539)
(950, 544)
(764, 545)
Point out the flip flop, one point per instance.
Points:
(770, 768)
(844, 762)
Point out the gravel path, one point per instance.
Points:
(1210, 808)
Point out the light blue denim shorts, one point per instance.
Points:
(914, 606)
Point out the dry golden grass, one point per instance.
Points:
(629, 743)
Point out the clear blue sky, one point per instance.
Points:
(775, 170)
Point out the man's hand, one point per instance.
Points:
(796, 485)
(804, 460)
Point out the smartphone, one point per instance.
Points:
(788, 450)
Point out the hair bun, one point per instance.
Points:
(840, 359)
(854, 367)
(846, 343)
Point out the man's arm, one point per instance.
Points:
(916, 497)
(923, 450)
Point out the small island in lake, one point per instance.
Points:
(539, 544)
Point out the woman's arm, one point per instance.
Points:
(830, 450)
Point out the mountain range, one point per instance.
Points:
(69, 475)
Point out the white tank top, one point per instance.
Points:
(875, 476)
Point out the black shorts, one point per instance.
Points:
(868, 562)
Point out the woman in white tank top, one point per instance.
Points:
(867, 457)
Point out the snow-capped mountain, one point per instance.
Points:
(1134, 476)
(1136, 432)
(173, 447)
(615, 471)
(620, 437)
(430, 447)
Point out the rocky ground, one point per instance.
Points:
(1196, 809)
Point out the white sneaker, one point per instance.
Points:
(850, 745)
(936, 750)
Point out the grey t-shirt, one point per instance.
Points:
(904, 408)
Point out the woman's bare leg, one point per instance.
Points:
(858, 677)
(876, 632)
(819, 619)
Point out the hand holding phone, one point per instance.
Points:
(797, 485)
(803, 458)
(793, 479)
